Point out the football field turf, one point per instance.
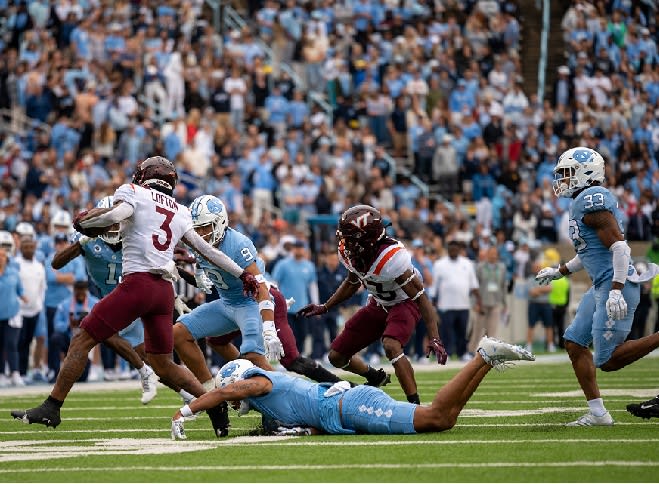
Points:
(512, 430)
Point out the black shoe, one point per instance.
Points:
(380, 380)
(646, 410)
(219, 416)
(45, 414)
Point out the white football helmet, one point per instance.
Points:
(232, 372)
(209, 210)
(112, 236)
(25, 229)
(577, 168)
(7, 242)
(61, 223)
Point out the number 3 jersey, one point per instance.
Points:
(151, 233)
(242, 251)
(596, 258)
(380, 280)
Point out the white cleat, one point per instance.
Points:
(499, 354)
(149, 386)
(178, 432)
(590, 420)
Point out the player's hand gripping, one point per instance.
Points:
(548, 274)
(436, 346)
(312, 310)
(616, 306)
(202, 280)
(250, 284)
(274, 350)
(180, 307)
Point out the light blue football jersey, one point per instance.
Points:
(103, 265)
(242, 251)
(596, 258)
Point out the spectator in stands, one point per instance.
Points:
(11, 295)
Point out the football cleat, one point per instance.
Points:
(380, 380)
(219, 416)
(590, 420)
(499, 354)
(178, 432)
(45, 414)
(645, 410)
(149, 386)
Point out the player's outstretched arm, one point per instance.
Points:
(346, 290)
(413, 287)
(240, 390)
(66, 255)
(103, 217)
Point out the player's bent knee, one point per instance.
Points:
(392, 348)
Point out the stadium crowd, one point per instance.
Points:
(436, 84)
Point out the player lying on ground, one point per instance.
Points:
(302, 407)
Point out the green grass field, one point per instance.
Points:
(511, 431)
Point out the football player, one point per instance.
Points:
(233, 310)
(102, 256)
(396, 301)
(605, 314)
(300, 407)
(152, 223)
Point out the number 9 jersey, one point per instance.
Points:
(151, 233)
(596, 258)
(380, 280)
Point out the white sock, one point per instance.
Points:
(185, 395)
(209, 385)
(596, 406)
(144, 371)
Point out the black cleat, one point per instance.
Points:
(219, 416)
(45, 414)
(645, 410)
(380, 380)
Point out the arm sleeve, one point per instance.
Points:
(621, 254)
(574, 264)
(212, 255)
(118, 213)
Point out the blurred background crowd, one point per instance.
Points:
(291, 111)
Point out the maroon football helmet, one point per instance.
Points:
(360, 230)
(158, 173)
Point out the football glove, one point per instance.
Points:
(250, 284)
(182, 256)
(312, 310)
(178, 432)
(436, 346)
(274, 350)
(180, 307)
(202, 280)
(548, 274)
(616, 306)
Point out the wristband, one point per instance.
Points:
(259, 278)
(266, 304)
(185, 411)
(269, 326)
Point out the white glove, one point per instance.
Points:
(289, 302)
(180, 306)
(292, 431)
(202, 280)
(178, 432)
(274, 350)
(616, 306)
(548, 274)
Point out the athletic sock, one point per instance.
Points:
(143, 371)
(209, 385)
(596, 406)
(186, 395)
(54, 401)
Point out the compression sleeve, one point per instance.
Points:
(621, 254)
(211, 254)
(118, 213)
(574, 264)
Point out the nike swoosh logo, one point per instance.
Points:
(645, 407)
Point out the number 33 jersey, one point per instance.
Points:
(597, 259)
(380, 280)
(151, 233)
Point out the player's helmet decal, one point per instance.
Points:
(577, 168)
